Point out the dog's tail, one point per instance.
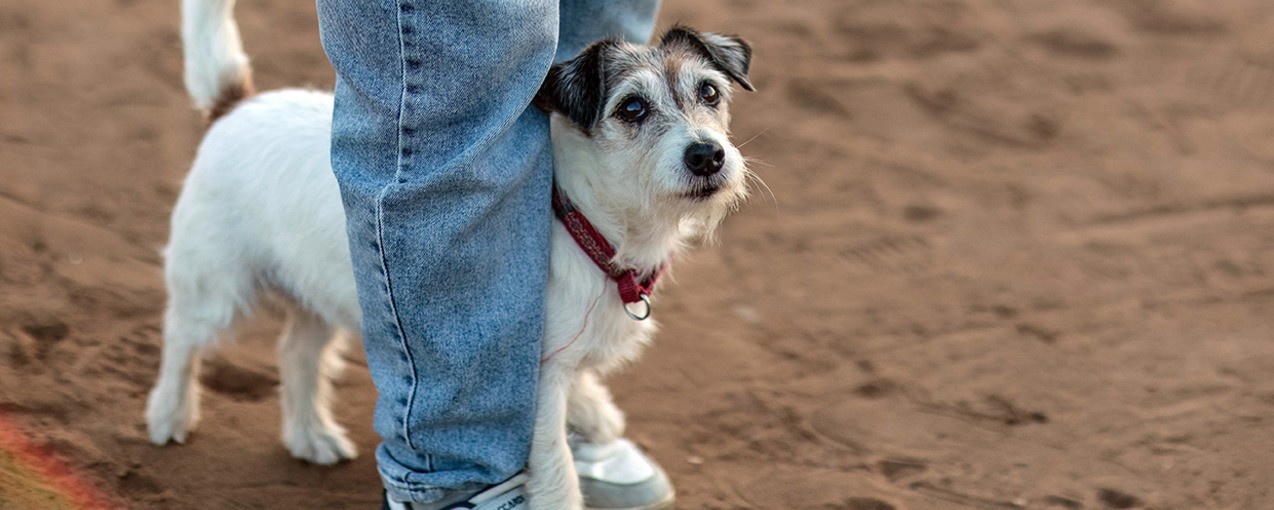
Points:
(217, 72)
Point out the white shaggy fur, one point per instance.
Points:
(260, 211)
(212, 49)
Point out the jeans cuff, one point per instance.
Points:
(402, 491)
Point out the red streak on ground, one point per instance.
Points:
(51, 471)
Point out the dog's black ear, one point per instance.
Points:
(731, 54)
(576, 88)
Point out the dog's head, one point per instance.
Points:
(657, 118)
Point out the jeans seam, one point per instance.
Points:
(380, 228)
(393, 311)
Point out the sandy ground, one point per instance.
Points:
(1017, 255)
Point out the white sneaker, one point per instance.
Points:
(618, 476)
(508, 495)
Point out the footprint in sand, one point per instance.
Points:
(36, 340)
(236, 382)
(1162, 17)
(1112, 498)
(1007, 124)
(1073, 42)
(50, 331)
(815, 97)
(866, 504)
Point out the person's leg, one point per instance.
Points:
(445, 175)
(584, 22)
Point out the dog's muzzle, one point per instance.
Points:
(704, 159)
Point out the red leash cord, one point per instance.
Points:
(582, 327)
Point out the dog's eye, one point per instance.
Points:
(633, 109)
(709, 94)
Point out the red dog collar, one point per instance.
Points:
(631, 290)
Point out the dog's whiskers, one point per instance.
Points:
(754, 137)
(753, 160)
(753, 177)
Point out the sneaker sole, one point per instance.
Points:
(666, 504)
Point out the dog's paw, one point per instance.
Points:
(169, 430)
(319, 445)
(170, 419)
(604, 425)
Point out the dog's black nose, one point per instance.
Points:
(704, 159)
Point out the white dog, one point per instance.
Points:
(640, 140)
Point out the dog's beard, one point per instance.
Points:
(700, 216)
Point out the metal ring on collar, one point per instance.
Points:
(644, 299)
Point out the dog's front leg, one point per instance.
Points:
(554, 484)
(591, 412)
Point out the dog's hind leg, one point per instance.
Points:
(172, 410)
(308, 360)
(591, 412)
(208, 289)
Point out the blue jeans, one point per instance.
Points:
(445, 175)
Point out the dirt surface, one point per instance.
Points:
(1017, 255)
